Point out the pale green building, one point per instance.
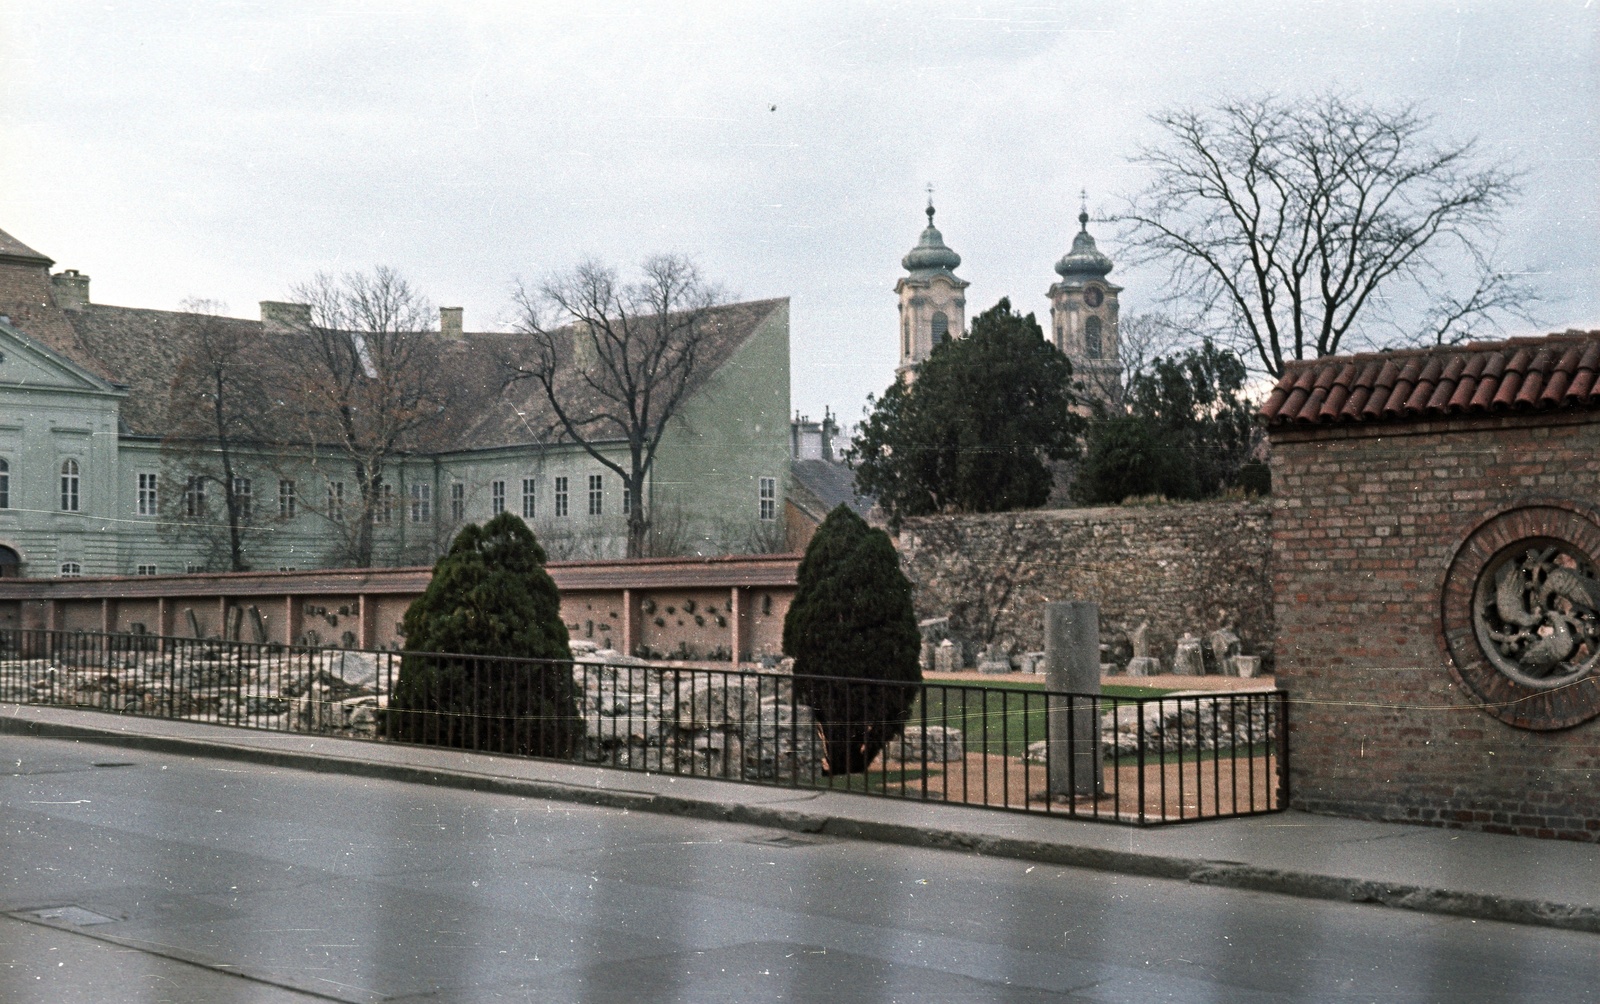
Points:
(91, 482)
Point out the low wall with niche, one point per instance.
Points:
(1180, 567)
(696, 610)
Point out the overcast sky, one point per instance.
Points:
(227, 150)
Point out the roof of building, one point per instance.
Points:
(1084, 260)
(480, 404)
(1482, 378)
(16, 252)
(930, 257)
(818, 487)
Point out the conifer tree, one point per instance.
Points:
(853, 634)
(489, 598)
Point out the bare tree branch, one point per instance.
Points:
(615, 360)
(1286, 220)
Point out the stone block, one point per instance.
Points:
(1144, 665)
(1033, 662)
(947, 657)
(1247, 666)
(930, 744)
(994, 660)
(1189, 659)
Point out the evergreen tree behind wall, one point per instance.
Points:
(853, 634)
(463, 681)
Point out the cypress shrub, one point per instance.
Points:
(489, 598)
(853, 635)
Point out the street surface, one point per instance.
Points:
(131, 877)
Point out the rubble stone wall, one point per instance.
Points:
(1178, 567)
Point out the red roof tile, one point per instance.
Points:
(1521, 374)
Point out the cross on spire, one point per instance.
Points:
(930, 204)
(1083, 209)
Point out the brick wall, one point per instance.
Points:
(1180, 567)
(1366, 522)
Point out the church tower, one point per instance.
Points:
(932, 302)
(1083, 314)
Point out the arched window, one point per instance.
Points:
(1091, 338)
(905, 335)
(69, 486)
(5, 487)
(941, 328)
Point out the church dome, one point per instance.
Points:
(1084, 261)
(930, 255)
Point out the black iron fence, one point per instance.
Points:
(1140, 760)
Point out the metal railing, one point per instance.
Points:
(1138, 760)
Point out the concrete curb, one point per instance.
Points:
(1228, 874)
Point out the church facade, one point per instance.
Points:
(1083, 308)
(92, 481)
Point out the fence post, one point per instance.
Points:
(1072, 664)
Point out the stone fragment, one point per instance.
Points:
(937, 743)
(1033, 662)
(1224, 646)
(946, 658)
(1139, 639)
(1144, 665)
(1189, 659)
(1247, 666)
(994, 660)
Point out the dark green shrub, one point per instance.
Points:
(852, 620)
(490, 598)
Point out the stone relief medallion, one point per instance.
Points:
(1520, 616)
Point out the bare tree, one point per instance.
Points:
(615, 360)
(1141, 339)
(366, 379)
(1287, 221)
(212, 400)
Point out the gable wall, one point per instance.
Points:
(731, 434)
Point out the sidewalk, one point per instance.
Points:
(1477, 875)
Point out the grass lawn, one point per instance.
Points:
(998, 718)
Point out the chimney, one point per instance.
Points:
(277, 314)
(71, 289)
(450, 322)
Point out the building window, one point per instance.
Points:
(527, 498)
(458, 501)
(421, 503)
(69, 487)
(384, 512)
(941, 328)
(194, 496)
(905, 335)
(497, 497)
(769, 498)
(627, 498)
(561, 496)
(336, 501)
(596, 494)
(243, 499)
(286, 499)
(5, 484)
(193, 569)
(145, 570)
(71, 569)
(1091, 338)
(147, 495)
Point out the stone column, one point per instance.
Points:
(1072, 664)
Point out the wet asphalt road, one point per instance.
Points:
(131, 876)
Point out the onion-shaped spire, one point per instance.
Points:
(930, 255)
(1084, 261)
